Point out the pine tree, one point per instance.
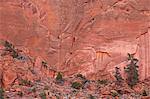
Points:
(132, 71)
(59, 77)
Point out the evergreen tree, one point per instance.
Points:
(59, 77)
(132, 71)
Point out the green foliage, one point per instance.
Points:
(42, 95)
(144, 93)
(15, 54)
(104, 82)
(25, 82)
(44, 64)
(57, 97)
(118, 75)
(81, 76)
(59, 77)
(1, 93)
(10, 48)
(20, 93)
(76, 85)
(132, 71)
(91, 97)
(33, 89)
(114, 93)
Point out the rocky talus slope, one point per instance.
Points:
(90, 37)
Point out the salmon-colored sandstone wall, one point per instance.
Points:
(80, 36)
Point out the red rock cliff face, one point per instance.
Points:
(79, 36)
